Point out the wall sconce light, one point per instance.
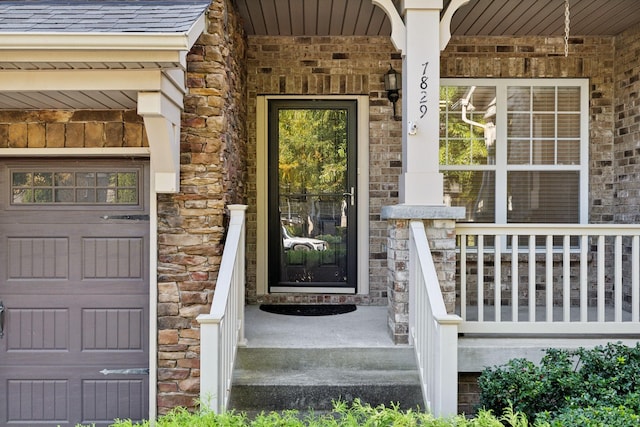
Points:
(392, 84)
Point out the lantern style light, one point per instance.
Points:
(392, 84)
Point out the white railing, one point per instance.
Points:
(222, 330)
(549, 279)
(433, 331)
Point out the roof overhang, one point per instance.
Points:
(98, 71)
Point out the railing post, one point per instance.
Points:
(209, 362)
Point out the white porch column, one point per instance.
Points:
(421, 183)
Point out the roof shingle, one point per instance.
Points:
(101, 16)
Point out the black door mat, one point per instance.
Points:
(308, 309)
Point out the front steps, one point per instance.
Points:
(309, 379)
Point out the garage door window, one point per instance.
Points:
(93, 187)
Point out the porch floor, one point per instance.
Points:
(364, 328)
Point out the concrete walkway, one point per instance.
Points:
(366, 327)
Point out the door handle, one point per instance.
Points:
(351, 195)
(2, 309)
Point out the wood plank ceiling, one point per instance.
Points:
(478, 17)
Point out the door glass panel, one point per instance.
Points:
(315, 196)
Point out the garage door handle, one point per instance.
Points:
(1, 319)
(130, 371)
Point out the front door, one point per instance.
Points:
(312, 196)
(74, 287)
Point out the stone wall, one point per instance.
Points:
(192, 223)
(331, 66)
(71, 129)
(543, 57)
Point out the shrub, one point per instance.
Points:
(343, 415)
(566, 381)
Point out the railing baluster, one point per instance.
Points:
(584, 279)
(480, 278)
(566, 278)
(497, 282)
(635, 280)
(601, 271)
(618, 279)
(532, 278)
(549, 278)
(463, 276)
(514, 278)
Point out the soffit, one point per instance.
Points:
(478, 17)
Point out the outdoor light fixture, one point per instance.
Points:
(392, 83)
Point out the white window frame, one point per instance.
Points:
(502, 167)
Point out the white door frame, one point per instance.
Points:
(362, 286)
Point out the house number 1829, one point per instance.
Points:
(423, 90)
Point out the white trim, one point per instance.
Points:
(153, 295)
(445, 21)
(73, 152)
(362, 198)
(398, 29)
(97, 41)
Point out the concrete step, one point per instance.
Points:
(310, 379)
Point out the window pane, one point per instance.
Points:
(544, 197)
(85, 179)
(544, 126)
(518, 98)
(42, 179)
(475, 190)
(127, 196)
(107, 179)
(569, 99)
(43, 195)
(127, 179)
(63, 179)
(519, 126)
(544, 99)
(544, 153)
(21, 179)
(519, 152)
(569, 152)
(86, 195)
(569, 126)
(64, 195)
(22, 196)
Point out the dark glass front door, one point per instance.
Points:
(312, 194)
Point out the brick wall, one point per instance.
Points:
(71, 129)
(191, 224)
(331, 66)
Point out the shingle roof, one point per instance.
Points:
(106, 16)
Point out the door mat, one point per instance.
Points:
(308, 309)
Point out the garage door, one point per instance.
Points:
(74, 287)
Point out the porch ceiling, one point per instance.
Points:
(478, 17)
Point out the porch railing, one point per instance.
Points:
(222, 330)
(433, 331)
(549, 279)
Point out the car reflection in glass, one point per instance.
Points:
(301, 243)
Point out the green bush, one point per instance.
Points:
(343, 415)
(567, 383)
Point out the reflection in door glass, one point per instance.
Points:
(313, 195)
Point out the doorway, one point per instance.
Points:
(312, 195)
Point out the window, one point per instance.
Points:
(63, 187)
(515, 151)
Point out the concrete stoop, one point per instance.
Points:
(310, 379)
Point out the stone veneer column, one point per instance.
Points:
(440, 225)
